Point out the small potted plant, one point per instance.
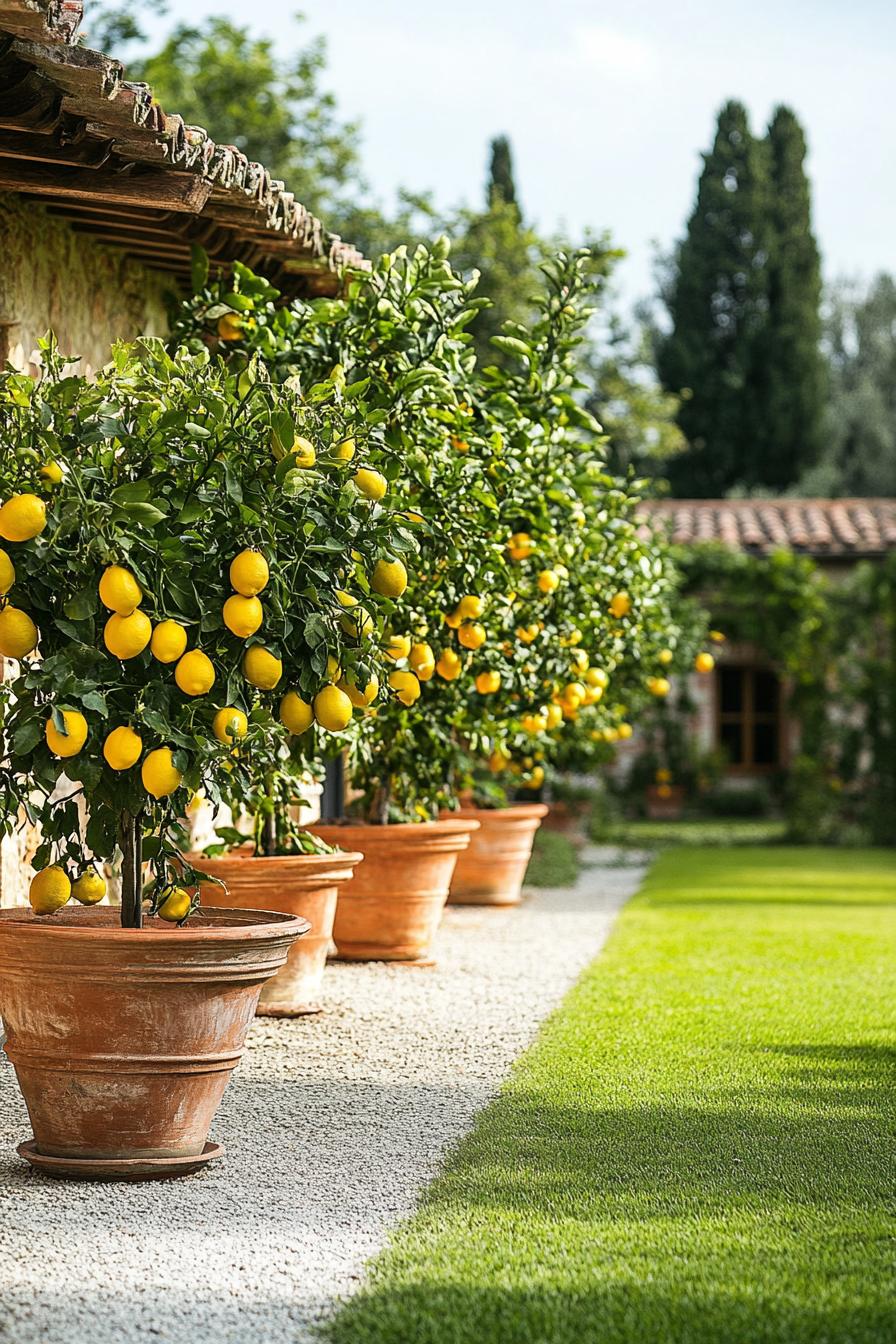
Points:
(169, 573)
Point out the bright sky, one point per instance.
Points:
(608, 107)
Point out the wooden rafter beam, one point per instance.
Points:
(182, 192)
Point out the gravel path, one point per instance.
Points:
(332, 1126)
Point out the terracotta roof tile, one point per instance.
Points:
(817, 527)
(99, 150)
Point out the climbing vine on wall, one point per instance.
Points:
(833, 638)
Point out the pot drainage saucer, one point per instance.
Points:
(117, 1168)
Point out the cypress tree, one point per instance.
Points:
(501, 184)
(791, 373)
(718, 306)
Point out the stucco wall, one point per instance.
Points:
(54, 278)
(90, 296)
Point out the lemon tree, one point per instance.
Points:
(184, 578)
(534, 609)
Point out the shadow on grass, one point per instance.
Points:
(632, 1312)
(761, 1216)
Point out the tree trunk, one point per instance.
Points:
(130, 839)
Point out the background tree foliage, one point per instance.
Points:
(743, 297)
(859, 454)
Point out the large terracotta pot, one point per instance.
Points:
(566, 818)
(392, 908)
(123, 1040)
(492, 869)
(297, 884)
(665, 802)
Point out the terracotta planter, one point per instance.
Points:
(123, 1040)
(665, 802)
(392, 908)
(491, 871)
(566, 818)
(307, 885)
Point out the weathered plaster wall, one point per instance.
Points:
(54, 278)
(90, 296)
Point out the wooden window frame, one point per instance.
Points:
(748, 718)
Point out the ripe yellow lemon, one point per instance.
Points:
(169, 642)
(229, 723)
(536, 778)
(50, 890)
(472, 636)
(296, 714)
(717, 637)
(22, 517)
(574, 693)
(361, 699)
(89, 888)
(620, 605)
(344, 451)
(303, 454)
(230, 327)
(127, 636)
(390, 578)
(406, 686)
(470, 608)
(554, 716)
(596, 676)
(372, 484)
(122, 748)
(332, 709)
(7, 573)
(356, 620)
(498, 761)
(658, 686)
(18, 633)
(549, 580)
(422, 661)
(249, 573)
(665, 657)
(520, 546)
(176, 904)
(488, 682)
(527, 634)
(453, 620)
(243, 615)
(625, 731)
(195, 673)
(704, 662)
(119, 590)
(158, 772)
(449, 666)
(72, 740)
(261, 668)
(534, 723)
(579, 660)
(51, 472)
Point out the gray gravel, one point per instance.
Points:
(332, 1124)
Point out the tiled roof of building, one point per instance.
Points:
(99, 150)
(835, 528)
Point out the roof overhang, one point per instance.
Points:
(98, 150)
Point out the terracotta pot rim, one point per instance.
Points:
(444, 826)
(513, 812)
(340, 858)
(232, 926)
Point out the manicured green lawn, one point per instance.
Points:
(702, 831)
(554, 862)
(700, 1148)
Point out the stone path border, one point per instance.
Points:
(333, 1125)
